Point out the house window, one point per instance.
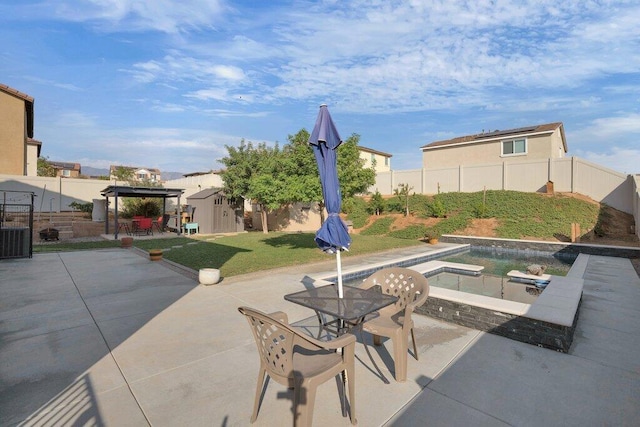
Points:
(66, 172)
(386, 161)
(514, 147)
(142, 175)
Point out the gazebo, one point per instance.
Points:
(128, 191)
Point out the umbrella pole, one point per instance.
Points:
(339, 263)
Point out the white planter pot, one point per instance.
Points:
(209, 276)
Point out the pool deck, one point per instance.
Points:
(107, 337)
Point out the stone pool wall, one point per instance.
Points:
(516, 327)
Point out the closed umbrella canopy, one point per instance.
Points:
(333, 236)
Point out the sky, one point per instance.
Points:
(168, 84)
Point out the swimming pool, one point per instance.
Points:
(548, 321)
(489, 278)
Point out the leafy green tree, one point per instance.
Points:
(301, 170)
(273, 177)
(45, 168)
(123, 173)
(354, 177)
(255, 173)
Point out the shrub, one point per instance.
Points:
(412, 232)
(379, 227)
(149, 208)
(437, 207)
(395, 205)
(356, 210)
(82, 207)
(377, 204)
(480, 210)
(419, 204)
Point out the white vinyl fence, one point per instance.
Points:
(569, 175)
(57, 194)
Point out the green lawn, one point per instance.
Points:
(244, 253)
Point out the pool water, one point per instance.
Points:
(499, 262)
(487, 285)
(494, 282)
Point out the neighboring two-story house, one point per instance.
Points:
(66, 169)
(19, 150)
(532, 142)
(138, 173)
(380, 161)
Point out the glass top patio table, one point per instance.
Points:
(352, 308)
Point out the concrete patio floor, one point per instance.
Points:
(109, 338)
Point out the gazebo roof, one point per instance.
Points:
(128, 191)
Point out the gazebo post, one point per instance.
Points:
(106, 208)
(115, 216)
(179, 221)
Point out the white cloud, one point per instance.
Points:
(208, 94)
(138, 15)
(609, 141)
(618, 159)
(175, 68)
(402, 56)
(620, 129)
(408, 57)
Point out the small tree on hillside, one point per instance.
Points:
(402, 192)
(376, 204)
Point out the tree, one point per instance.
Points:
(402, 192)
(273, 178)
(45, 168)
(255, 173)
(376, 204)
(354, 177)
(301, 170)
(123, 173)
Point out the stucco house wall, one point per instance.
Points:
(295, 217)
(541, 142)
(371, 157)
(33, 152)
(13, 134)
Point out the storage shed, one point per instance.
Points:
(215, 213)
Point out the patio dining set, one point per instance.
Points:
(141, 225)
(305, 354)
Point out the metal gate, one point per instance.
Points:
(16, 224)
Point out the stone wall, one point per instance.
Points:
(519, 328)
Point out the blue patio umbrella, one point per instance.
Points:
(333, 236)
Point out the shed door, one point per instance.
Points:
(223, 216)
